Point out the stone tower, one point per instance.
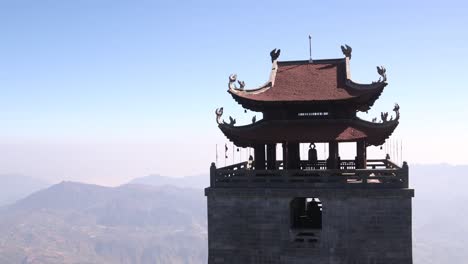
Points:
(293, 210)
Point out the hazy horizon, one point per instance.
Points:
(106, 91)
(47, 182)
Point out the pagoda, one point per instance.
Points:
(267, 210)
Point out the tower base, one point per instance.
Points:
(358, 226)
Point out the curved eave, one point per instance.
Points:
(369, 93)
(377, 132)
(278, 131)
(362, 98)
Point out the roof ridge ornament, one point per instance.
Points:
(233, 77)
(232, 121)
(232, 83)
(219, 113)
(396, 109)
(384, 115)
(274, 54)
(383, 73)
(346, 50)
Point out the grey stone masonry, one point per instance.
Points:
(359, 226)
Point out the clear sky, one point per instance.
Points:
(105, 91)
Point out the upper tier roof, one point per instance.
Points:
(309, 84)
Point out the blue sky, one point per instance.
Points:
(105, 91)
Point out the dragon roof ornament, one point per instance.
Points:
(219, 114)
(346, 51)
(232, 83)
(384, 115)
(382, 80)
(232, 121)
(274, 54)
(383, 73)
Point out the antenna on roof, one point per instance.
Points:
(310, 49)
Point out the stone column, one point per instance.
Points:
(361, 153)
(332, 162)
(285, 156)
(271, 156)
(259, 151)
(293, 159)
(212, 174)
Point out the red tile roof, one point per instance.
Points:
(317, 82)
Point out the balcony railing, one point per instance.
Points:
(378, 174)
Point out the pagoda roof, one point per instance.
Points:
(309, 130)
(309, 83)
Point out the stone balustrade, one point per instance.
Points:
(378, 174)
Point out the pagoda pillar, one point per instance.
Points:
(285, 156)
(332, 162)
(271, 156)
(259, 152)
(361, 151)
(291, 155)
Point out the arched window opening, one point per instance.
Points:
(306, 213)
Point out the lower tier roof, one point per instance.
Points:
(309, 130)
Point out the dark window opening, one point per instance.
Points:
(306, 213)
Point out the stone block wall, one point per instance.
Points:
(359, 226)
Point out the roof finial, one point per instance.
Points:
(383, 73)
(274, 54)
(219, 113)
(310, 49)
(346, 50)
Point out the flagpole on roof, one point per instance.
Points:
(310, 48)
(401, 151)
(225, 153)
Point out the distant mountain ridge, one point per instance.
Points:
(15, 186)
(196, 181)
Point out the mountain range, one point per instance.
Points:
(81, 223)
(196, 181)
(156, 219)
